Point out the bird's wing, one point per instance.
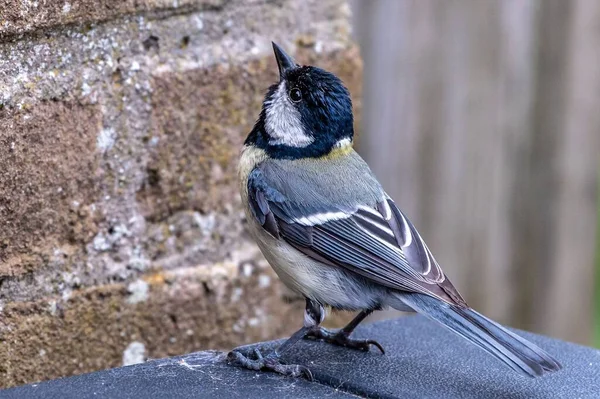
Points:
(377, 241)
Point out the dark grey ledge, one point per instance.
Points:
(423, 360)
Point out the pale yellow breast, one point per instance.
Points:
(249, 158)
(300, 273)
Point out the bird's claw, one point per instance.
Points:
(270, 362)
(341, 338)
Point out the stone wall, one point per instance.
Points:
(121, 232)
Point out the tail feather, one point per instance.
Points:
(515, 351)
(528, 349)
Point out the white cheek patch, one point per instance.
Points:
(282, 121)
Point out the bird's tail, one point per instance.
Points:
(516, 352)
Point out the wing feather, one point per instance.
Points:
(375, 241)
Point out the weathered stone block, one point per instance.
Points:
(49, 177)
(17, 16)
(162, 314)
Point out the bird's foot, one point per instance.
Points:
(341, 338)
(270, 362)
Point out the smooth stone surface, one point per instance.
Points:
(422, 360)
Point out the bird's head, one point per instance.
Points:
(308, 113)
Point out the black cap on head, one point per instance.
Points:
(284, 61)
(307, 114)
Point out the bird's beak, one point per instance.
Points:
(284, 61)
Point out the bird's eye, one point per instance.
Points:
(295, 95)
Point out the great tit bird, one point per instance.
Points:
(333, 235)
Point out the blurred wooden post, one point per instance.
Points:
(482, 119)
(566, 299)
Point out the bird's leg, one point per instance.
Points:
(271, 361)
(313, 316)
(342, 337)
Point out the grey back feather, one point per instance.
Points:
(323, 185)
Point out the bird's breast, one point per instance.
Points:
(329, 285)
